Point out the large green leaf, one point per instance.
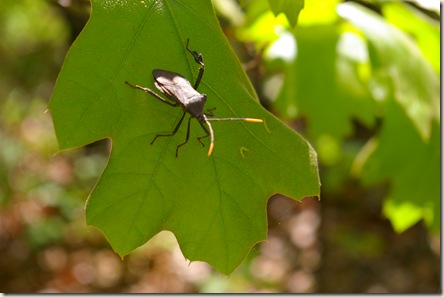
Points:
(215, 206)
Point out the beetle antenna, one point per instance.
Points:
(251, 120)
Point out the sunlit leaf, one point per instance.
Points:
(394, 56)
(425, 31)
(291, 8)
(318, 12)
(406, 152)
(324, 86)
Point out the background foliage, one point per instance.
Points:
(369, 107)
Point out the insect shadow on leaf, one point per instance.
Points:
(181, 94)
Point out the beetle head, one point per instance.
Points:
(195, 105)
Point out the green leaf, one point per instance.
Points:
(291, 8)
(321, 81)
(412, 165)
(418, 25)
(319, 12)
(406, 151)
(215, 206)
(401, 66)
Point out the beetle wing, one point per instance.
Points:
(174, 86)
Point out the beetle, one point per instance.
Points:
(182, 94)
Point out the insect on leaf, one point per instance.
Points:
(215, 206)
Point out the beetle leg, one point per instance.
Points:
(174, 131)
(200, 141)
(186, 139)
(210, 112)
(199, 60)
(207, 133)
(154, 94)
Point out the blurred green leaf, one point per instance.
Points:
(291, 8)
(393, 55)
(422, 28)
(263, 30)
(413, 167)
(323, 85)
(360, 244)
(215, 206)
(45, 232)
(407, 150)
(318, 12)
